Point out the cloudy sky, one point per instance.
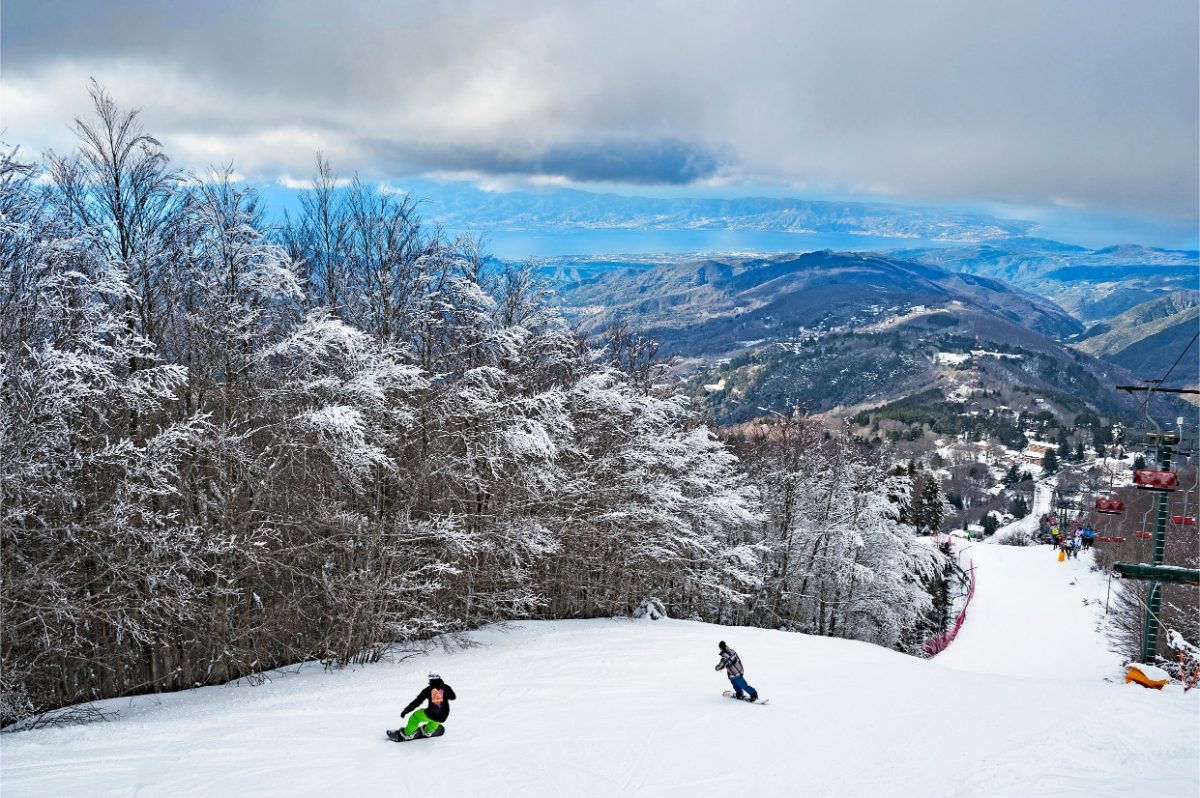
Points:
(1023, 104)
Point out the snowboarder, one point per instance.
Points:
(734, 670)
(427, 721)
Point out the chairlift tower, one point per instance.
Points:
(1162, 481)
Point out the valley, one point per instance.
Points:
(836, 332)
(968, 376)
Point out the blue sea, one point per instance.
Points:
(523, 245)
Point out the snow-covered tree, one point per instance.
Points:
(654, 507)
(228, 447)
(932, 509)
(98, 564)
(838, 559)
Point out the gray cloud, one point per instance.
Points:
(632, 161)
(1069, 103)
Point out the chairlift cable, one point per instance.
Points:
(1150, 391)
(1181, 354)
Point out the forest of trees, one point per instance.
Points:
(230, 445)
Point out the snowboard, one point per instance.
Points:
(761, 701)
(394, 735)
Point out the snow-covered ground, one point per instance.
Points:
(1027, 601)
(1027, 702)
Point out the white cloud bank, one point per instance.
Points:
(1078, 103)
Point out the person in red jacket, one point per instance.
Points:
(427, 721)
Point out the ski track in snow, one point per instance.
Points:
(1026, 600)
(1027, 702)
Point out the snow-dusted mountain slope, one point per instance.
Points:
(1026, 702)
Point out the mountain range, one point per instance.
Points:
(1139, 303)
(833, 331)
(1130, 306)
(1147, 338)
(463, 206)
(1091, 284)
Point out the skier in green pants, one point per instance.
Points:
(430, 719)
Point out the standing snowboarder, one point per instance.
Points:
(734, 670)
(427, 721)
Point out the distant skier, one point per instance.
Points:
(734, 670)
(428, 721)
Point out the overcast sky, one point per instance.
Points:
(1034, 103)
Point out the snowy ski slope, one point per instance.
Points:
(1027, 702)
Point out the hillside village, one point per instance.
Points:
(990, 466)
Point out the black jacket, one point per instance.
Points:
(439, 695)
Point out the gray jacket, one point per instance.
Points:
(731, 663)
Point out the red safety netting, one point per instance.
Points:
(939, 643)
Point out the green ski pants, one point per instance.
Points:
(416, 719)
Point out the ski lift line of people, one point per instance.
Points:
(1176, 520)
(1156, 481)
(1086, 536)
(1070, 538)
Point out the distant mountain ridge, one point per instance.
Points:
(835, 330)
(462, 206)
(1148, 338)
(1092, 285)
(721, 300)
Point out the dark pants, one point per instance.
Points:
(739, 685)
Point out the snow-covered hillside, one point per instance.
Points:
(1026, 702)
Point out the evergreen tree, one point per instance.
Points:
(939, 588)
(931, 511)
(1079, 453)
(1019, 507)
(1139, 462)
(989, 524)
(1050, 462)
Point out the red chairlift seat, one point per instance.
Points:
(1149, 479)
(1183, 520)
(1110, 506)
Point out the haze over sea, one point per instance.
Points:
(522, 244)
